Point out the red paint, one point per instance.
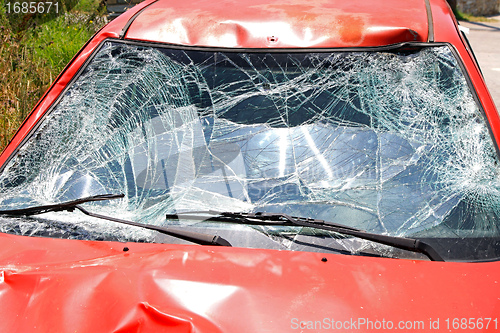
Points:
(53, 285)
(66, 285)
(296, 23)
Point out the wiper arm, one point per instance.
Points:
(260, 218)
(191, 236)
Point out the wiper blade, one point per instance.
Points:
(68, 205)
(191, 236)
(260, 218)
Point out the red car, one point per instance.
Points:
(258, 166)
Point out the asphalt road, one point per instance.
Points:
(485, 41)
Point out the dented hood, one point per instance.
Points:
(278, 24)
(83, 286)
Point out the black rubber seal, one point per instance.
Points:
(131, 20)
(430, 22)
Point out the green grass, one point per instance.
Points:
(57, 41)
(34, 50)
(471, 18)
(90, 6)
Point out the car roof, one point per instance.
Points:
(281, 23)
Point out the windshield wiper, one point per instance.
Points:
(68, 205)
(270, 219)
(191, 236)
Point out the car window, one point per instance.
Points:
(391, 142)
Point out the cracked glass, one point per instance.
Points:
(390, 142)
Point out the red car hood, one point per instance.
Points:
(52, 285)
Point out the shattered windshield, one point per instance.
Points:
(390, 142)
